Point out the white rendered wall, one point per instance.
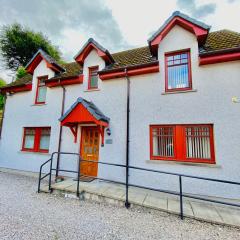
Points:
(111, 100)
(21, 112)
(215, 85)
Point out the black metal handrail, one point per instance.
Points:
(127, 184)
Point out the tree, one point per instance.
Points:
(19, 44)
(21, 72)
(2, 83)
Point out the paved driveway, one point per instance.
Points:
(24, 214)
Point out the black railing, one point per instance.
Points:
(127, 184)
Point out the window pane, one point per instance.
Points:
(184, 55)
(94, 81)
(178, 77)
(42, 82)
(176, 57)
(29, 138)
(42, 94)
(163, 141)
(178, 71)
(45, 139)
(198, 142)
(41, 90)
(184, 60)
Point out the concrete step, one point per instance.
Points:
(115, 194)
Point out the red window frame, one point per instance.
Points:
(180, 146)
(187, 51)
(37, 90)
(37, 138)
(90, 70)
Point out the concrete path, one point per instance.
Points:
(115, 193)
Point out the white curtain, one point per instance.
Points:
(45, 139)
(29, 138)
(29, 141)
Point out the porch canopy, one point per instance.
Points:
(84, 112)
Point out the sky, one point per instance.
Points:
(115, 24)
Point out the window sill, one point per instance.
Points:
(180, 91)
(210, 165)
(38, 104)
(92, 90)
(32, 152)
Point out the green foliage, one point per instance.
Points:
(19, 44)
(21, 72)
(2, 83)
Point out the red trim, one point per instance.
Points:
(107, 76)
(179, 142)
(187, 51)
(80, 115)
(90, 70)
(37, 89)
(81, 57)
(101, 130)
(74, 130)
(211, 59)
(64, 81)
(31, 67)
(16, 89)
(131, 71)
(200, 33)
(37, 137)
(53, 67)
(152, 157)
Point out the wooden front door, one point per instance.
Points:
(89, 151)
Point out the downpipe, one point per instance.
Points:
(127, 204)
(3, 112)
(60, 133)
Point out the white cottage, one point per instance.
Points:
(166, 106)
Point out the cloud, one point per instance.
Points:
(196, 11)
(55, 18)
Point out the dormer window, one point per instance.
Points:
(178, 71)
(93, 78)
(41, 90)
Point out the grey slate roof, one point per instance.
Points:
(130, 58)
(91, 107)
(184, 16)
(220, 41)
(47, 57)
(73, 69)
(91, 40)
